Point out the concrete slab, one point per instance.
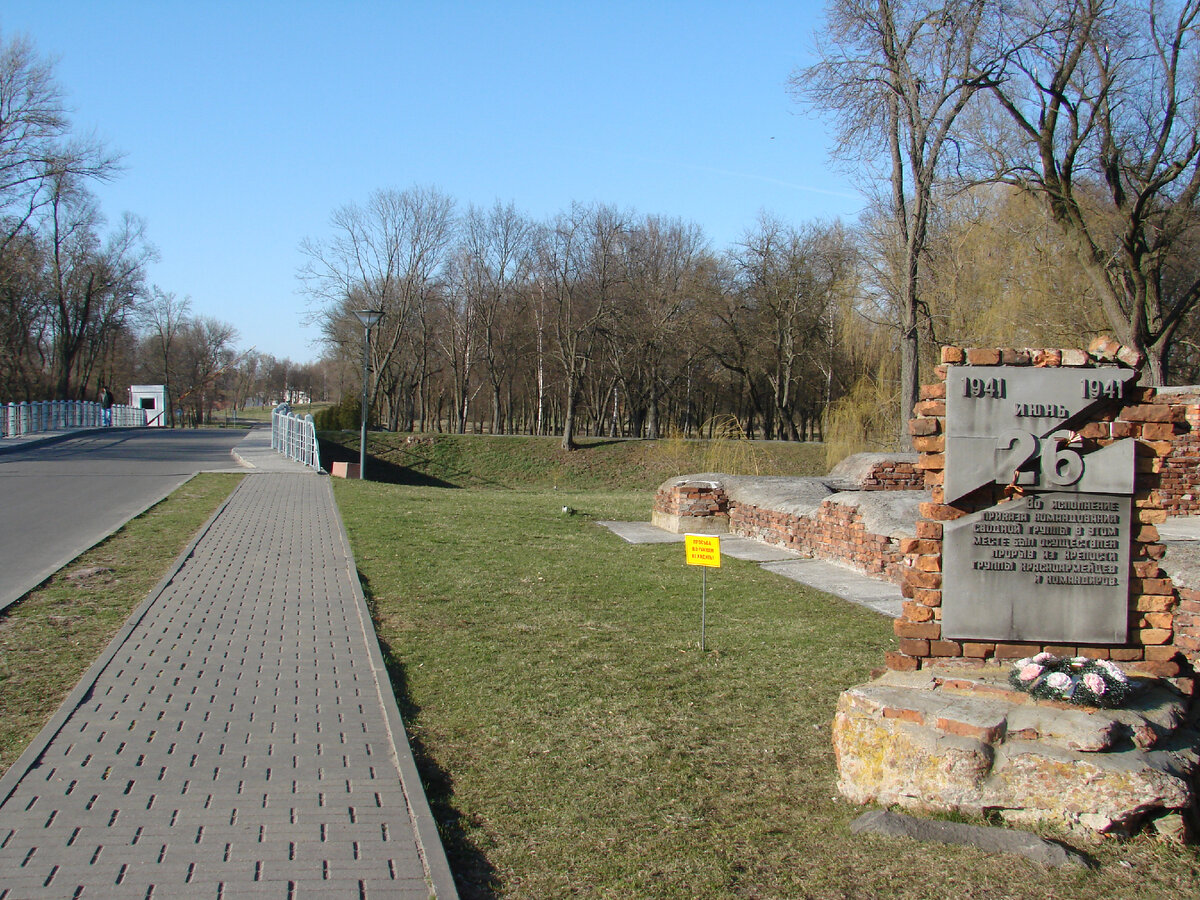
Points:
(642, 533)
(881, 596)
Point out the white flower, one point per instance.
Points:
(1060, 681)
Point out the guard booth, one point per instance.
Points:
(153, 399)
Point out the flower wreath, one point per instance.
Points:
(1087, 682)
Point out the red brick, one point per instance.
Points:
(927, 597)
(978, 650)
(1152, 586)
(1158, 431)
(1159, 620)
(983, 356)
(1151, 636)
(940, 513)
(898, 662)
(1168, 668)
(953, 355)
(1153, 412)
(918, 630)
(1061, 650)
(1153, 603)
(1160, 652)
(904, 715)
(917, 612)
(919, 579)
(930, 444)
(1047, 358)
(945, 648)
(1016, 651)
(986, 734)
(933, 391)
(1096, 431)
(928, 562)
(1126, 654)
(932, 531)
(914, 647)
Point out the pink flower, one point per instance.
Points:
(1060, 681)
(1112, 669)
(1095, 683)
(1030, 672)
(1043, 657)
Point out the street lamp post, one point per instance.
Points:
(369, 318)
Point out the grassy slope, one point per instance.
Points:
(573, 738)
(480, 461)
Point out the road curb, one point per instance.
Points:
(433, 853)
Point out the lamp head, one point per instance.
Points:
(368, 317)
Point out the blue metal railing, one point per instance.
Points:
(295, 437)
(17, 419)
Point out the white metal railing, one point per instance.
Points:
(295, 437)
(17, 419)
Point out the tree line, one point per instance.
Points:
(1032, 168)
(599, 321)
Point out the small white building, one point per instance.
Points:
(153, 399)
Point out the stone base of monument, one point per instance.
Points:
(958, 739)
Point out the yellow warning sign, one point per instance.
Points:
(702, 550)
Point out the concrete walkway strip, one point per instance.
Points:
(875, 594)
(239, 737)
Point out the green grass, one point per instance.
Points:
(50, 637)
(574, 741)
(499, 462)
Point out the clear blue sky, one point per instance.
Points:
(245, 124)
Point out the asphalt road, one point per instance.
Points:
(56, 501)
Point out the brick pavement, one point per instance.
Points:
(239, 740)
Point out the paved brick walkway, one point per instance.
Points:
(240, 740)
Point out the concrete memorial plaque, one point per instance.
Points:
(1052, 563)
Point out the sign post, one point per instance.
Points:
(703, 550)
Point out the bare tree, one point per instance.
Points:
(35, 147)
(164, 315)
(94, 284)
(578, 259)
(668, 271)
(895, 75)
(497, 260)
(387, 255)
(1099, 118)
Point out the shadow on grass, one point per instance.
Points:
(378, 468)
(474, 875)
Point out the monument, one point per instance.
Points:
(1038, 544)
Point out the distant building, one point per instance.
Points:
(153, 399)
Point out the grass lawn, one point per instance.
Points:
(50, 637)
(575, 741)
